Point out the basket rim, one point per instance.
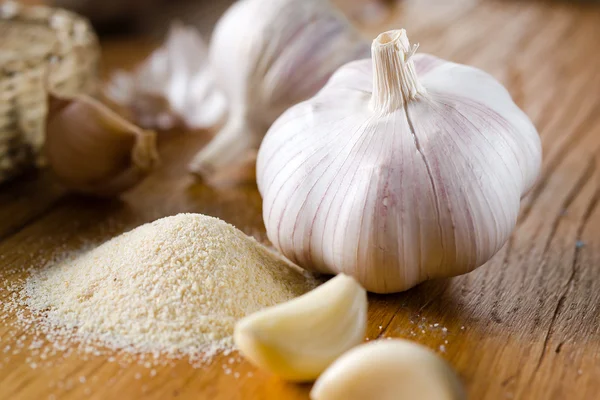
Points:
(70, 29)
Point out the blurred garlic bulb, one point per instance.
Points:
(174, 86)
(402, 168)
(92, 150)
(267, 56)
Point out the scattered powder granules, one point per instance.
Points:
(175, 286)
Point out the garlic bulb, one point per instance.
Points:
(174, 86)
(268, 55)
(388, 370)
(297, 340)
(401, 169)
(93, 150)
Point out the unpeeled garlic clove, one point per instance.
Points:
(388, 370)
(93, 150)
(297, 340)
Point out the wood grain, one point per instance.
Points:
(524, 326)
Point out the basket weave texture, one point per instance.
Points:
(40, 47)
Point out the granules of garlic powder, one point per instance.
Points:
(175, 286)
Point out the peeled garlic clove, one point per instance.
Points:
(297, 340)
(388, 370)
(93, 150)
(402, 168)
(268, 55)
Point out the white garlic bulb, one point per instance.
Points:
(401, 169)
(267, 56)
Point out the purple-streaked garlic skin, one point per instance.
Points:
(402, 190)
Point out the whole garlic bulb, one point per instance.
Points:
(401, 169)
(268, 55)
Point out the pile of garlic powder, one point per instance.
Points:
(175, 286)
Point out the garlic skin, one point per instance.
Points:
(267, 56)
(297, 340)
(94, 151)
(174, 86)
(401, 169)
(394, 369)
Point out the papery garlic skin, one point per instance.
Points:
(92, 150)
(399, 170)
(174, 86)
(268, 55)
(392, 369)
(297, 340)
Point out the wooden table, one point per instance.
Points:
(526, 325)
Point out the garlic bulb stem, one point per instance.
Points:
(395, 80)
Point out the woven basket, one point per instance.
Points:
(39, 47)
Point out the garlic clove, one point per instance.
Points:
(388, 370)
(297, 340)
(93, 150)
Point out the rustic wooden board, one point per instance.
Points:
(526, 325)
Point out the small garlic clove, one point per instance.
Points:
(297, 340)
(388, 370)
(93, 150)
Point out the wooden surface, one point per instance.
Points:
(526, 325)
